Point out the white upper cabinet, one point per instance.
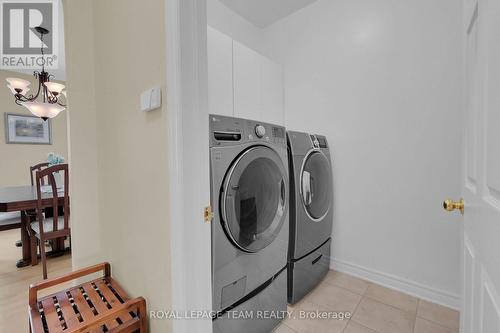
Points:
(247, 82)
(272, 93)
(243, 83)
(220, 73)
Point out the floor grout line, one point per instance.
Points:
(360, 324)
(392, 306)
(342, 287)
(353, 312)
(291, 328)
(438, 324)
(416, 315)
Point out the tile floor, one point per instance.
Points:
(374, 309)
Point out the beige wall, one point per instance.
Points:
(17, 158)
(128, 178)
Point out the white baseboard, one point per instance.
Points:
(394, 282)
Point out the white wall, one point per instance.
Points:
(382, 80)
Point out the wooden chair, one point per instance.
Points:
(49, 228)
(100, 305)
(35, 168)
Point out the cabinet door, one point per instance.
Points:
(247, 82)
(272, 92)
(220, 73)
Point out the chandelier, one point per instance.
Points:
(49, 104)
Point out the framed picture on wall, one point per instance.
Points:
(26, 129)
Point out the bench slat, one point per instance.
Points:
(49, 310)
(83, 307)
(67, 310)
(99, 304)
(111, 298)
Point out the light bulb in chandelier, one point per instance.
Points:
(55, 88)
(43, 110)
(17, 85)
(14, 91)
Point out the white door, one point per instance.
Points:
(481, 177)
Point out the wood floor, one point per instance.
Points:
(14, 282)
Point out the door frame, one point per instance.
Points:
(189, 187)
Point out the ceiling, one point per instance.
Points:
(263, 13)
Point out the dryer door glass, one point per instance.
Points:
(254, 199)
(316, 185)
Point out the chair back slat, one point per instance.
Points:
(48, 174)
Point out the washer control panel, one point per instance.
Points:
(227, 131)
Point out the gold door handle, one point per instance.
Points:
(451, 205)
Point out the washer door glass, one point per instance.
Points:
(254, 199)
(316, 185)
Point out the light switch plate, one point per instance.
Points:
(151, 99)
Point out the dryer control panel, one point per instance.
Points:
(318, 141)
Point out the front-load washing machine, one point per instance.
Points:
(311, 212)
(249, 194)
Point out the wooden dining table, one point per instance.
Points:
(22, 199)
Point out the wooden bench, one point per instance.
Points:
(99, 305)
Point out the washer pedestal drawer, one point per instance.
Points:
(260, 314)
(308, 272)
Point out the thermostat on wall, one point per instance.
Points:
(151, 99)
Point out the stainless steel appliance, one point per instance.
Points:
(311, 212)
(249, 194)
